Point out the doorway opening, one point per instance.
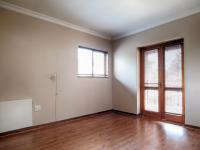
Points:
(162, 81)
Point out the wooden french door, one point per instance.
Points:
(162, 81)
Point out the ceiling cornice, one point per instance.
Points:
(173, 18)
(41, 16)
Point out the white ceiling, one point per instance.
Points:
(113, 18)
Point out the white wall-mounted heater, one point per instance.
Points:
(15, 114)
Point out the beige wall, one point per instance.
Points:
(31, 50)
(125, 65)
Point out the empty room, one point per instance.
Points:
(99, 74)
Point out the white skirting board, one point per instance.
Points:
(15, 114)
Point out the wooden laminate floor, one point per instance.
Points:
(106, 131)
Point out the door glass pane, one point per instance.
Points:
(98, 63)
(84, 61)
(151, 68)
(173, 102)
(173, 66)
(151, 100)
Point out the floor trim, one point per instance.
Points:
(51, 124)
(124, 112)
(191, 126)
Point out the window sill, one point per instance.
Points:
(85, 76)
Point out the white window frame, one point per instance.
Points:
(106, 64)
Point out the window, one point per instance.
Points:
(92, 63)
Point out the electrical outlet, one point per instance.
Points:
(37, 108)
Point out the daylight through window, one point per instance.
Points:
(92, 63)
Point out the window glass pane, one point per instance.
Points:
(173, 102)
(84, 61)
(173, 71)
(151, 68)
(151, 100)
(106, 64)
(98, 63)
